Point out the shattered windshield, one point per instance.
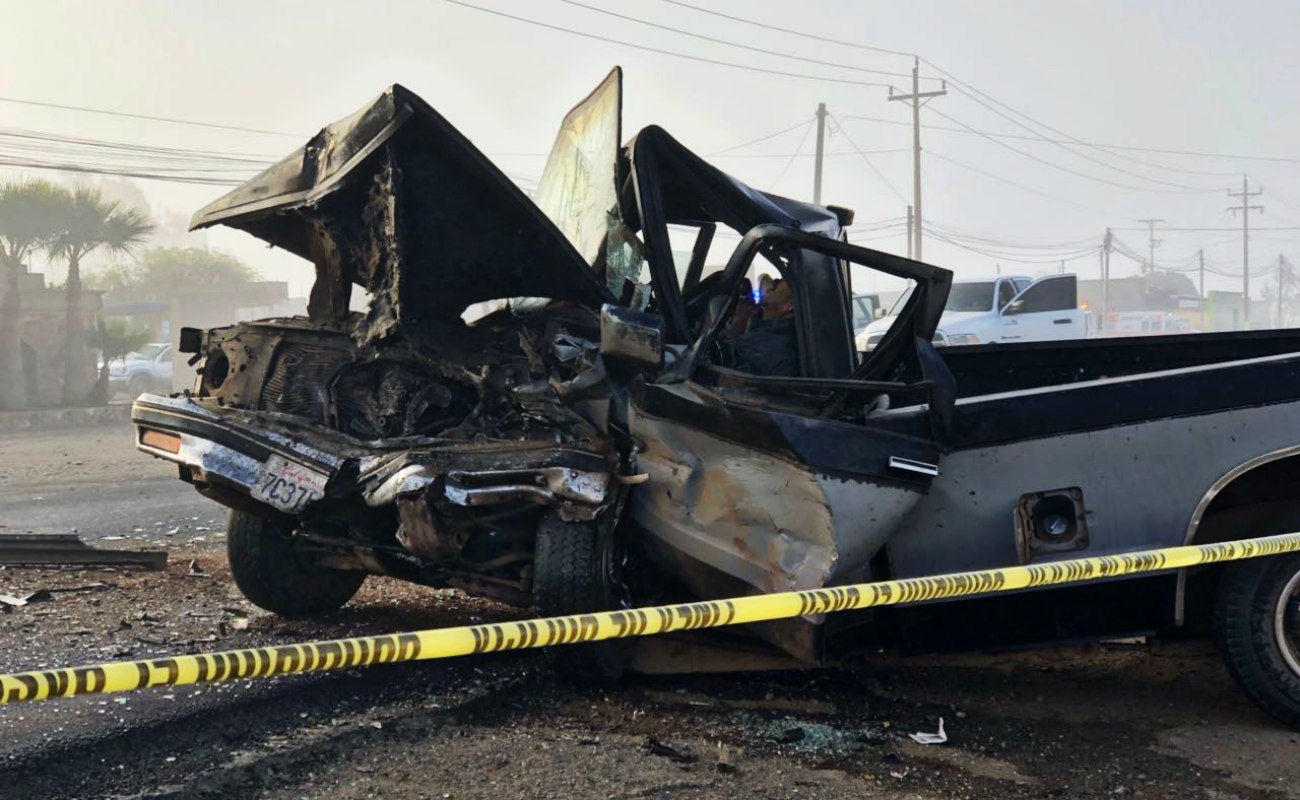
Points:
(578, 188)
(578, 191)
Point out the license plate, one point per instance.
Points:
(288, 486)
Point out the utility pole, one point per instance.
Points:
(1200, 254)
(1061, 271)
(1105, 280)
(1245, 208)
(1152, 244)
(909, 231)
(821, 151)
(917, 99)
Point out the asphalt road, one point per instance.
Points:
(92, 482)
(1094, 723)
(146, 510)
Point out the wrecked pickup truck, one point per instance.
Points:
(546, 403)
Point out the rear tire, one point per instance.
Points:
(577, 570)
(1257, 625)
(271, 573)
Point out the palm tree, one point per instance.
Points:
(88, 222)
(27, 223)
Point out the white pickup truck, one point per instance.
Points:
(1006, 308)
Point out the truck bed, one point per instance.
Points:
(998, 368)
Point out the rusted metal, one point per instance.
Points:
(40, 550)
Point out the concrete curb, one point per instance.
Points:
(52, 418)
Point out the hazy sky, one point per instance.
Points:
(1211, 77)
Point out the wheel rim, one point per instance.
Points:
(1286, 623)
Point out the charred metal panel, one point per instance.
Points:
(769, 521)
(395, 199)
(1143, 482)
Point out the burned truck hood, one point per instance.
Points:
(394, 199)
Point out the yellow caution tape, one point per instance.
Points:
(266, 662)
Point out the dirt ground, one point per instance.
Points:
(1102, 722)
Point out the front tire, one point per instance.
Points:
(1257, 624)
(270, 572)
(577, 569)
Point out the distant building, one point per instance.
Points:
(1172, 294)
(208, 308)
(1176, 295)
(43, 330)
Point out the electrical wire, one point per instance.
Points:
(962, 84)
(728, 43)
(886, 151)
(1066, 169)
(979, 97)
(1019, 137)
(807, 130)
(762, 139)
(790, 31)
(1016, 258)
(173, 120)
(930, 151)
(1073, 151)
(673, 53)
(865, 158)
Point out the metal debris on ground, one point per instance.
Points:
(656, 747)
(921, 737)
(39, 550)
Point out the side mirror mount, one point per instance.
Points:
(879, 313)
(1012, 308)
(635, 337)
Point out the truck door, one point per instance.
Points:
(772, 483)
(1047, 310)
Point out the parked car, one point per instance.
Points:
(147, 370)
(1011, 308)
(598, 444)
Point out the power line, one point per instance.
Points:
(1011, 257)
(1018, 137)
(885, 151)
(790, 31)
(1071, 139)
(1234, 230)
(1072, 150)
(1063, 168)
(1010, 182)
(975, 95)
(761, 139)
(1017, 244)
(729, 43)
(807, 130)
(840, 127)
(39, 136)
(173, 120)
(673, 53)
(122, 173)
